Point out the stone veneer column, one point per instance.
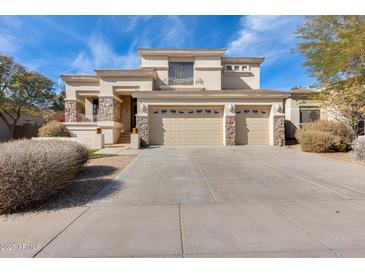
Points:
(230, 130)
(230, 124)
(142, 125)
(72, 109)
(279, 129)
(109, 109)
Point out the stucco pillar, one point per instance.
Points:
(142, 125)
(230, 125)
(278, 126)
(72, 110)
(109, 109)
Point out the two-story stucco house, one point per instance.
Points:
(178, 96)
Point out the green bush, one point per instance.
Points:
(324, 136)
(53, 129)
(33, 170)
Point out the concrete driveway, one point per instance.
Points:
(212, 201)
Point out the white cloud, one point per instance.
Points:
(175, 33)
(99, 54)
(8, 44)
(61, 28)
(270, 36)
(263, 23)
(10, 22)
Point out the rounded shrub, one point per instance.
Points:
(324, 136)
(53, 129)
(34, 170)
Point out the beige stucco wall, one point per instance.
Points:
(108, 84)
(74, 87)
(207, 101)
(126, 113)
(237, 82)
(160, 64)
(88, 107)
(207, 70)
(292, 113)
(86, 130)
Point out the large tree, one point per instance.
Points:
(334, 47)
(58, 103)
(22, 91)
(8, 71)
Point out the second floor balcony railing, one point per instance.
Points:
(181, 82)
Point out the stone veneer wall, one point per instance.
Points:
(109, 109)
(142, 125)
(72, 109)
(230, 130)
(279, 130)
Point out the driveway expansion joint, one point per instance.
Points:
(204, 178)
(305, 230)
(60, 232)
(181, 232)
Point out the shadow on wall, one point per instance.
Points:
(290, 130)
(233, 82)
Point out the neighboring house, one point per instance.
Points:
(178, 96)
(301, 108)
(26, 127)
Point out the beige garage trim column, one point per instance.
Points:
(230, 125)
(142, 125)
(277, 127)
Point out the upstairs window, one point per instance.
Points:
(237, 68)
(181, 73)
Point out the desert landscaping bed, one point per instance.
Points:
(96, 174)
(344, 156)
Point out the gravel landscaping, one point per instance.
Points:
(97, 173)
(344, 156)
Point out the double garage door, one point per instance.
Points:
(186, 125)
(204, 125)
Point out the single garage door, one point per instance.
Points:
(198, 125)
(252, 125)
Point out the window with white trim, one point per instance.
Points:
(181, 73)
(237, 68)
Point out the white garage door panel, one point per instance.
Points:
(252, 125)
(186, 125)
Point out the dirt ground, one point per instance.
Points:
(345, 156)
(92, 178)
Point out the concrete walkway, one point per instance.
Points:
(244, 201)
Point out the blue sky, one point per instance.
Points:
(55, 45)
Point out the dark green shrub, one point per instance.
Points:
(34, 170)
(324, 136)
(53, 129)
